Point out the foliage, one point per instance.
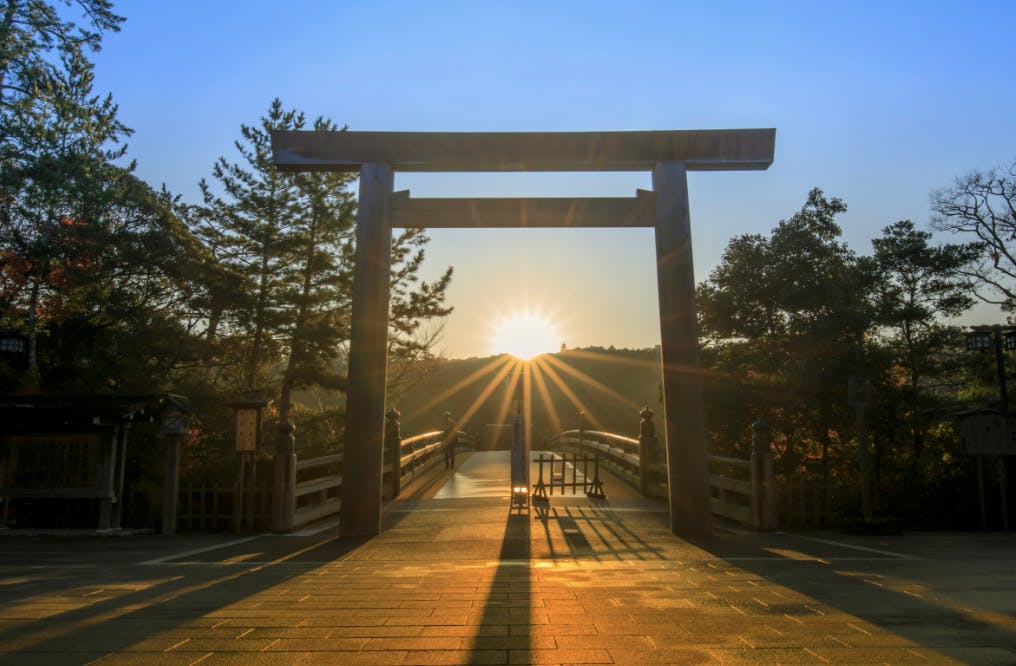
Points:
(788, 311)
(790, 316)
(919, 283)
(57, 142)
(286, 243)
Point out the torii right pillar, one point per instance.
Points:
(684, 419)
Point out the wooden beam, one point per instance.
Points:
(528, 213)
(699, 150)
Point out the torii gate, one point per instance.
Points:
(669, 155)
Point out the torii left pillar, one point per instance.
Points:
(368, 356)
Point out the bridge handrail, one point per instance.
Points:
(417, 454)
(320, 461)
(736, 498)
(619, 453)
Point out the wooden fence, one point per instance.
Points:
(741, 490)
(204, 507)
(319, 480)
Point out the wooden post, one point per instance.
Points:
(283, 492)
(393, 442)
(249, 518)
(171, 484)
(1003, 497)
(763, 480)
(215, 507)
(980, 493)
(241, 472)
(862, 444)
(121, 467)
(109, 468)
(647, 443)
(684, 419)
(368, 351)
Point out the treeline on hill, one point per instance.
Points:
(122, 288)
(603, 389)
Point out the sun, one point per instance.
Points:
(525, 336)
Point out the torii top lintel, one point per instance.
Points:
(699, 150)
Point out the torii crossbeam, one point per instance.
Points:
(669, 155)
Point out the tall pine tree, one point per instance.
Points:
(288, 240)
(57, 140)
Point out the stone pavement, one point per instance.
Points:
(454, 581)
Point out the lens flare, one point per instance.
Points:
(525, 336)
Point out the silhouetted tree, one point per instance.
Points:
(981, 207)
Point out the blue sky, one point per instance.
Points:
(876, 103)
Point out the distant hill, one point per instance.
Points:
(611, 385)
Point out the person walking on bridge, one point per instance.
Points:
(451, 440)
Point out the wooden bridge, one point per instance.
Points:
(741, 490)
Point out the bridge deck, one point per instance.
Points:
(459, 580)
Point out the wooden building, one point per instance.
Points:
(62, 459)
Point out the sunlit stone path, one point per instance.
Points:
(460, 580)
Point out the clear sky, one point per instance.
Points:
(877, 103)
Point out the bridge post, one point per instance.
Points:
(684, 419)
(284, 492)
(582, 429)
(647, 447)
(368, 356)
(763, 479)
(393, 444)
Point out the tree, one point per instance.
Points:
(982, 207)
(786, 317)
(320, 278)
(55, 145)
(48, 195)
(919, 282)
(39, 49)
(288, 241)
(247, 225)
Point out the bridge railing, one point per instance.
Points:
(317, 482)
(741, 490)
(317, 495)
(620, 454)
(419, 453)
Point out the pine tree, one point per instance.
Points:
(57, 140)
(288, 241)
(248, 225)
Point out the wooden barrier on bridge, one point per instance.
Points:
(316, 491)
(741, 490)
(557, 475)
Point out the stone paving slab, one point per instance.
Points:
(464, 581)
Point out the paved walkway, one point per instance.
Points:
(462, 581)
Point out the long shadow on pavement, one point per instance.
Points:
(182, 599)
(896, 595)
(507, 612)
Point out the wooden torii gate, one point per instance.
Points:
(669, 155)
